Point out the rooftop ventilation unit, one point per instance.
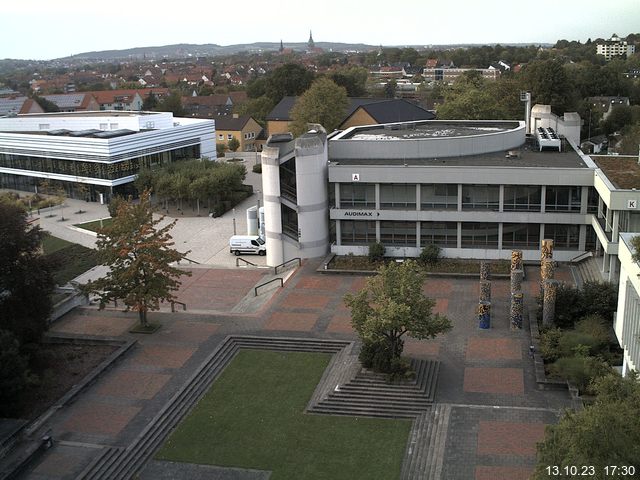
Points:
(548, 138)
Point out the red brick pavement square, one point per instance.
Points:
(300, 322)
(100, 418)
(437, 287)
(494, 349)
(320, 282)
(202, 297)
(421, 348)
(494, 380)
(441, 306)
(185, 331)
(305, 300)
(340, 324)
(163, 356)
(95, 325)
(507, 438)
(358, 283)
(133, 384)
(503, 473)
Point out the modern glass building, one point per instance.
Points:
(101, 150)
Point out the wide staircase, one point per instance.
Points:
(587, 270)
(345, 389)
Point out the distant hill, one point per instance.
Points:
(182, 50)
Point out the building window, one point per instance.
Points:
(104, 126)
(592, 201)
(521, 235)
(288, 184)
(563, 199)
(354, 232)
(229, 136)
(522, 198)
(398, 234)
(565, 237)
(479, 235)
(443, 234)
(113, 126)
(357, 195)
(439, 196)
(398, 196)
(289, 222)
(480, 197)
(43, 126)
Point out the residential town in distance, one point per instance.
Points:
(322, 261)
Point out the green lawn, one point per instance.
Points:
(95, 225)
(252, 417)
(70, 259)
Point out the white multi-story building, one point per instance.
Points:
(102, 150)
(478, 189)
(615, 47)
(627, 322)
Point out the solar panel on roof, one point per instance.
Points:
(114, 133)
(60, 131)
(83, 133)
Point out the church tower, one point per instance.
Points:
(281, 47)
(310, 44)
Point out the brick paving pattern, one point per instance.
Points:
(479, 370)
(494, 380)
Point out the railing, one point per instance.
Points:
(581, 257)
(173, 305)
(189, 260)
(238, 260)
(297, 259)
(255, 290)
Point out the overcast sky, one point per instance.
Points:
(46, 29)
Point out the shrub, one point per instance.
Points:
(257, 168)
(580, 370)
(377, 356)
(430, 255)
(549, 341)
(376, 252)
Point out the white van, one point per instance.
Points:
(247, 244)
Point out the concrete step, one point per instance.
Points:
(365, 412)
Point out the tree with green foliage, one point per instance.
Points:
(234, 144)
(139, 255)
(14, 374)
(150, 103)
(549, 84)
(324, 103)
(353, 79)
(171, 103)
(391, 305)
(26, 281)
(604, 434)
(291, 79)
(47, 105)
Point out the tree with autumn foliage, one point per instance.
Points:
(139, 255)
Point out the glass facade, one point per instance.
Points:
(443, 234)
(522, 198)
(437, 196)
(353, 232)
(565, 237)
(479, 235)
(357, 195)
(289, 222)
(521, 235)
(563, 199)
(100, 170)
(480, 197)
(401, 234)
(401, 196)
(288, 180)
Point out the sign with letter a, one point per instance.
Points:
(355, 177)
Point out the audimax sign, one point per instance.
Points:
(361, 213)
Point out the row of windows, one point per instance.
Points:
(108, 171)
(445, 234)
(517, 198)
(247, 136)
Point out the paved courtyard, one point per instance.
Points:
(486, 376)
